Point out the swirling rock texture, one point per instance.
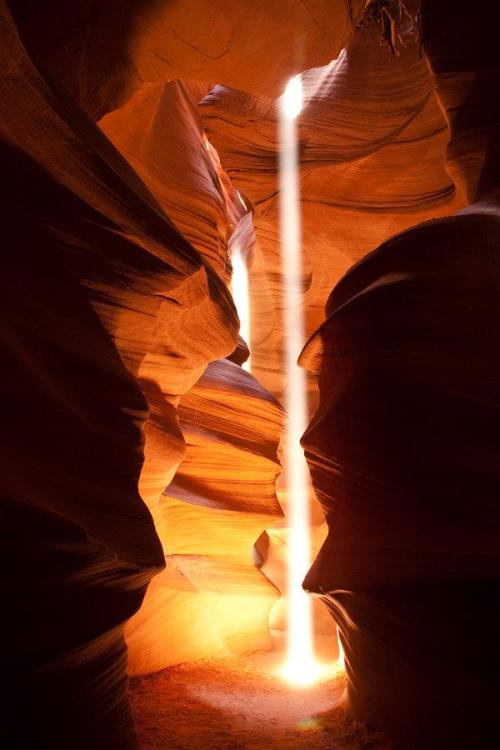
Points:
(372, 141)
(104, 54)
(402, 448)
(101, 295)
(160, 133)
(212, 599)
(114, 294)
(372, 137)
(232, 426)
(111, 315)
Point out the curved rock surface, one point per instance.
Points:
(401, 449)
(212, 599)
(232, 426)
(219, 438)
(372, 139)
(93, 272)
(159, 132)
(114, 299)
(103, 54)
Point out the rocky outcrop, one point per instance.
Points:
(231, 424)
(212, 599)
(116, 256)
(401, 448)
(103, 55)
(160, 133)
(99, 292)
(372, 139)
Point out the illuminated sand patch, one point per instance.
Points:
(243, 705)
(235, 704)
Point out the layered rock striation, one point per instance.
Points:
(371, 149)
(401, 449)
(231, 424)
(117, 257)
(100, 293)
(212, 599)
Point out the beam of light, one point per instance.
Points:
(292, 99)
(301, 666)
(244, 205)
(341, 658)
(241, 296)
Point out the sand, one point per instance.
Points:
(244, 705)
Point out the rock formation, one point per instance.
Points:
(372, 138)
(212, 599)
(103, 54)
(100, 293)
(401, 447)
(140, 461)
(160, 134)
(231, 425)
(112, 315)
(372, 142)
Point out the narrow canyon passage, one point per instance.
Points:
(250, 314)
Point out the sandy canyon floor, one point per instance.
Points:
(243, 705)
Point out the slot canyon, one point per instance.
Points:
(251, 359)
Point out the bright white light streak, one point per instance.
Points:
(241, 296)
(341, 657)
(301, 666)
(241, 200)
(292, 99)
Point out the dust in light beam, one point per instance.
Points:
(301, 666)
(241, 295)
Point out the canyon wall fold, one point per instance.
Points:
(371, 143)
(141, 519)
(402, 447)
(212, 599)
(231, 425)
(100, 293)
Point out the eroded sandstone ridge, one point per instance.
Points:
(101, 295)
(132, 438)
(372, 138)
(212, 599)
(111, 315)
(401, 448)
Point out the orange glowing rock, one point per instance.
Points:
(372, 141)
(117, 244)
(400, 448)
(212, 600)
(160, 133)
